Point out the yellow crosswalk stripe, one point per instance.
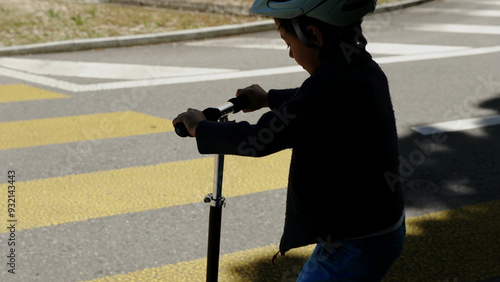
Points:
(50, 201)
(458, 244)
(234, 267)
(27, 133)
(21, 92)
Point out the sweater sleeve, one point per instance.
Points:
(221, 137)
(276, 98)
(265, 137)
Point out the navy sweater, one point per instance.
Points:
(341, 128)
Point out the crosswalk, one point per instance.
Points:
(102, 70)
(46, 203)
(21, 92)
(39, 132)
(114, 192)
(233, 265)
(54, 201)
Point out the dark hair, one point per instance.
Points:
(336, 39)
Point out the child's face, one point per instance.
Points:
(304, 56)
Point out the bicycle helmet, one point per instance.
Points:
(335, 12)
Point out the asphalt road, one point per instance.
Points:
(103, 186)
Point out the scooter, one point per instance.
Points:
(215, 199)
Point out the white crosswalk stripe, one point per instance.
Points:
(102, 70)
(485, 2)
(458, 28)
(457, 125)
(278, 44)
(462, 12)
(242, 42)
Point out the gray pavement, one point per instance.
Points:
(455, 83)
(175, 36)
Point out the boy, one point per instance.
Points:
(343, 192)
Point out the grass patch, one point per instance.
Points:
(36, 21)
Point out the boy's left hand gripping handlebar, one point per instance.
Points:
(233, 105)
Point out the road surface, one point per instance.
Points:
(102, 189)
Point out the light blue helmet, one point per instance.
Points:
(335, 12)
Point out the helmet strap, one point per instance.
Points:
(303, 38)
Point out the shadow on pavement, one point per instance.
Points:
(451, 184)
(452, 169)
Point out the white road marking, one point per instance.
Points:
(439, 55)
(102, 70)
(458, 28)
(190, 79)
(75, 87)
(409, 49)
(278, 44)
(457, 125)
(41, 80)
(461, 12)
(474, 1)
(241, 42)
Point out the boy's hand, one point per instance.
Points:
(257, 95)
(190, 118)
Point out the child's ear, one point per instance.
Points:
(315, 35)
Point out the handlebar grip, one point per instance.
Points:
(210, 114)
(234, 105)
(181, 130)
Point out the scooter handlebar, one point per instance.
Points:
(233, 105)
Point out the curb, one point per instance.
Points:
(166, 37)
(135, 40)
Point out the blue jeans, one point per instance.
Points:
(364, 260)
